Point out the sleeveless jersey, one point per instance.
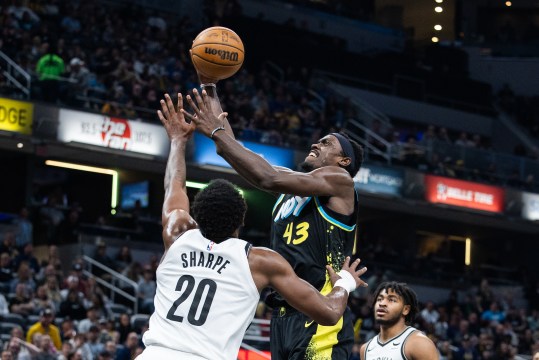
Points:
(390, 350)
(205, 300)
(309, 236)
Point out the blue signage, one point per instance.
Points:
(205, 153)
(380, 180)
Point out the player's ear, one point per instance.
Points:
(345, 161)
(406, 310)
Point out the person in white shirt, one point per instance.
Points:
(209, 281)
(429, 313)
(395, 308)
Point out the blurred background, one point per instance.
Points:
(442, 94)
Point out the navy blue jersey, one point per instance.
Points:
(309, 236)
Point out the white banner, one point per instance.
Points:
(115, 133)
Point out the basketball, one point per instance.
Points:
(217, 53)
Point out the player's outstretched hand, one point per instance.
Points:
(203, 117)
(352, 269)
(173, 120)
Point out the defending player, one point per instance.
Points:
(395, 307)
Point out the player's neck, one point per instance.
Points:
(389, 332)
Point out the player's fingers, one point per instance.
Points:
(193, 105)
(164, 109)
(188, 116)
(361, 271)
(200, 101)
(161, 117)
(346, 262)
(330, 270)
(355, 264)
(180, 102)
(170, 105)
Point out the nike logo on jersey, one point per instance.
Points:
(395, 344)
(308, 323)
(292, 206)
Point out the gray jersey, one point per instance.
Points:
(392, 349)
(205, 300)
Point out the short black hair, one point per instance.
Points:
(219, 209)
(408, 296)
(358, 154)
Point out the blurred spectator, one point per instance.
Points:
(92, 319)
(429, 313)
(72, 284)
(124, 327)
(42, 300)
(79, 77)
(25, 228)
(45, 326)
(48, 349)
(50, 67)
(146, 291)
(8, 244)
(72, 306)
(92, 344)
(6, 269)
(53, 290)
(494, 313)
(24, 276)
(27, 255)
(69, 228)
(4, 307)
(130, 347)
(68, 331)
(102, 257)
(467, 350)
(123, 258)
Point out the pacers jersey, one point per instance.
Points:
(309, 236)
(390, 350)
(205, 300)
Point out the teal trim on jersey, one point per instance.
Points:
(330, 219)
(277, 203)
(304, 204)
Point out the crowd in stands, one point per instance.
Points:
(120, 61)
(49, 313)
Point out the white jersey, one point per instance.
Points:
(392, 349)
(205, 300)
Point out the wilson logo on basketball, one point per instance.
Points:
(116, 133)
(223, 54)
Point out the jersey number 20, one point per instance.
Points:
(190, 285)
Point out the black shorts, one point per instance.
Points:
(294, 336)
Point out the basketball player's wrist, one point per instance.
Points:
(346, 281)
(219, 128)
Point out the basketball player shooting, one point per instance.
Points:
(209, 281)
(313, 224)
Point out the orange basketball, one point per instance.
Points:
(217, 53)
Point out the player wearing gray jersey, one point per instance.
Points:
(395, 307)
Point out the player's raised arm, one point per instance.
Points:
(175, 212)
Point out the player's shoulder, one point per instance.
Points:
(267, 260)
(420, 346)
